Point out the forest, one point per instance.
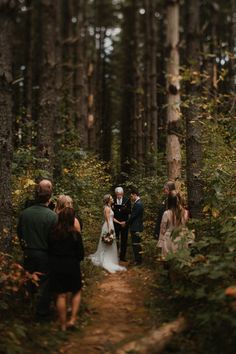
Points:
(96, 94)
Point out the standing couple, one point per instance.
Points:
(119, 221)
(53, 249)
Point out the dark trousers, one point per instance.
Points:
(37, 261)
(136, 245)
(122, 238)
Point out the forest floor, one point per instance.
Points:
(117, 313)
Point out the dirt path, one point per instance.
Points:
(117, 314)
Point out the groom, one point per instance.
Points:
(135, 223)
(122, 208)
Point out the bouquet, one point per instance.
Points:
(108, 237)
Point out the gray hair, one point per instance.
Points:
(119, 190)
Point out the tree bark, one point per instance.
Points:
(173, 150)
(155, 341)
(128, 100)
(233, 51)
(193, 114)
(47, 90)
(28, 87)
(150, 85)
(153, 77)
(6, 119)
(138, 147)
(80, 78)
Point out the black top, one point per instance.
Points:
(71, 246)
(65, 255)
(122, 211)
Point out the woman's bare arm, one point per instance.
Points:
(107, 217)
(77, 225)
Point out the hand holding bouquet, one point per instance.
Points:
(108, 237)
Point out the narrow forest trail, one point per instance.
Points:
(117, 314)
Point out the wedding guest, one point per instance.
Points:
(34, 227)
(122, 209)
(66, 251)
(64, 201)
(167, 189)
(175, 216)
(45, 185)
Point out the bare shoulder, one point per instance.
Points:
(107, 209)
(77, 225)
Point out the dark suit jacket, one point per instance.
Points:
(135, 221)
(121, 212)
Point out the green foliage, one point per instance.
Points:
(203, 276)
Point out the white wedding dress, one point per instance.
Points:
(106, 256)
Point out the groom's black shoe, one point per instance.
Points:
(138, 263)
(135, 263)
(123, 260)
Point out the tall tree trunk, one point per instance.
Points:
(138, 147)
(28, 79)
(99, 85)
(68, 62)
(147, 90)
(81, 84)
(233, 51)
(173, 102)
(106, 117)
(151, 84)
(59, 64)
(161, 81)
(128, 67)
(153, 77)
(6, 119)
(34, 71)
(193, 124)
(91, 106)
(47, 91)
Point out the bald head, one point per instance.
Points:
(43, 191)
(45, 185)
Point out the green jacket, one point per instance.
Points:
(34, 227)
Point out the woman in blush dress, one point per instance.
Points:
(174, 217)
(106, 255)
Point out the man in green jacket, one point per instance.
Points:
(34, 227)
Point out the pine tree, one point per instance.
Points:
(6, 118)
(173, 101)
(193, 114)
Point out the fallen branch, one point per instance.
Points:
(156, 340)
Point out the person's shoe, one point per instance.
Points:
(71, 326)
(123, 260)
(138, 263)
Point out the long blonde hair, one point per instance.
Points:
(63, 201)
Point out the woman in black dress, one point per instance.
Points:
(66, 251)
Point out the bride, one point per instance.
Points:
(106, 255)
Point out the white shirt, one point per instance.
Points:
(119, 201)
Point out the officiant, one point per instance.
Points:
(122, 209)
